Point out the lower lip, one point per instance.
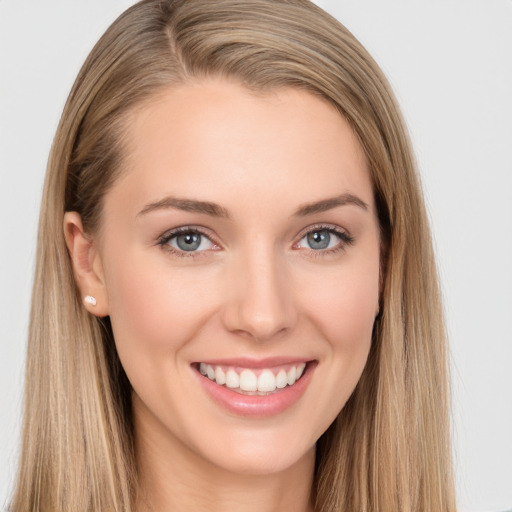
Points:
(261, 406)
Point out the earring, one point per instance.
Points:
(89, 299)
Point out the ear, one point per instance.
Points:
(87, 266)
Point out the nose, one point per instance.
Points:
(259, 301)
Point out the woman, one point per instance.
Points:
(235, 301)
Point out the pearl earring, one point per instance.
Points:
(89, 299)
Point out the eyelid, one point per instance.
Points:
(345, 237)
(163, 240)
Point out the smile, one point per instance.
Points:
(253, 381)
(257, 389)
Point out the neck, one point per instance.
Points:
(173, 477)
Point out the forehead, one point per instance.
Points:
(216, 138)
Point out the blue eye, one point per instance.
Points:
(319, 240)
(188, 241)
(322, 239)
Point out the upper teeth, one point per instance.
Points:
(247, 380)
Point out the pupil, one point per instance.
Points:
(319, 239)
(189, 241)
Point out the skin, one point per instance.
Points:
(256, 290)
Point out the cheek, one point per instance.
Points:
(344, 305)
(347, 324)
(155, 310)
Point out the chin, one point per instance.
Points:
(262, 464)
(260, 454)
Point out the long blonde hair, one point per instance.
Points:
(389, 448)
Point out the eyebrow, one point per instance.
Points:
(215, 210)
(330, 203)
(187, 205)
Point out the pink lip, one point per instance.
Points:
(247, 362)
(255, 405)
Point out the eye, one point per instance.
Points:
(323, 239)
(187, 240)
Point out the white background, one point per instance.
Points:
(450, 63)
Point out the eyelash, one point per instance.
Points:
(164, 240)
(345, 240)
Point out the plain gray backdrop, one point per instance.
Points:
(450, 63)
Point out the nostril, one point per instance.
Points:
(258, 301)
(244, 320)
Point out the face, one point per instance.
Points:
(239, 259)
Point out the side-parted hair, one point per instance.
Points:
(389, 448)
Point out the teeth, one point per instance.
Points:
(220, 376)
(247, 380)
(281, 380)
(232, 379)
(266, 381)
(292, 375)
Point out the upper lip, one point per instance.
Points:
(248, 362)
